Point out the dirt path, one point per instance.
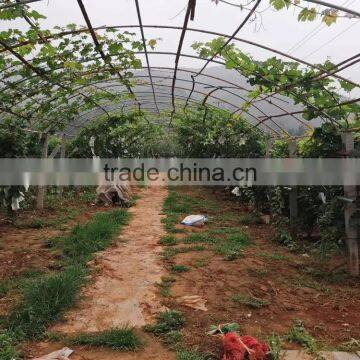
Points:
(123, 289)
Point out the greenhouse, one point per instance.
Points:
(179, 180)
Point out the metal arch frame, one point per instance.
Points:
(191, 9)
(209, 95)
(318, 2)
(228, 103)
(190, 12)
(189, 81)
(42, 75)
(243, 23)
(237, 108)
(184, 55)
(168, 96)
(321, 72)
(99, 49)
(252, 43)
(191, 56)
(145, 50)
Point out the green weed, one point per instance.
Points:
(274, 256)
(168, 240)
(7, 349)
(167, 321)
(274, 342)
(5, 287)
(44, 301)
(189, 355)
(179, 268)
(251, 218)
(258, 272)
(299, 335)
(199, 238)
(232, 247)
(169, 253)
(250, 301)
(45, 298)
(121, 339)
(165, 285)
(172, 339)
(85, 240)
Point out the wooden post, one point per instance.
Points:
(41, 189)
(268, 146)
(62, 156)
(352, 235)
(293, 192)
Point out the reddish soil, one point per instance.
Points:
(328, 308)
(289, 281)
(152, 351)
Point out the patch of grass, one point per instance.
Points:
(232, 247)
(250, 301)
(303, 281)
(65, 215)
(198, 238)
(177, 203)
(329, 277)
(169, 253)
(179, 268)
(5, 287)
(273, 256)
(172, 339)
(258, 272)
(169, 224)
(31, 273)
(201, 262)
(274, 342)
(7, 349)
(226, 217)
(251, 218)
(223, 231)
(165, 285)
(299, 335)
(85, 240)
(120, 339)
(45, 298)
(168, 240)
(189, 355)
(37, 223)
(44, 301)
(167, 321)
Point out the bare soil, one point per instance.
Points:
(123, 287)
(268, 271)
(123, 290)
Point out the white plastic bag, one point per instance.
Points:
(195, 220)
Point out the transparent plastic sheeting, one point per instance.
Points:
(177, 171)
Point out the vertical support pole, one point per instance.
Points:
(352, 236)
(41, 189)
(268, 146)
(62, 156)
(293, 192)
